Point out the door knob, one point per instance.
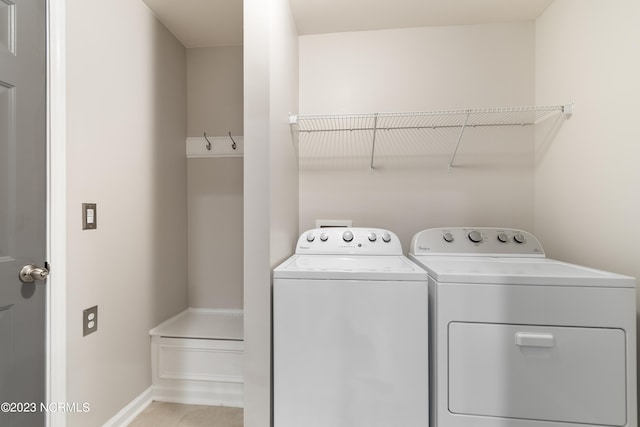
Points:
(31, 273)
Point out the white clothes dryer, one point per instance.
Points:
(350, 326)
(520, 340)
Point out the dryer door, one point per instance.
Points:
(562, 374)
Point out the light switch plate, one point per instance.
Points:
(89, 216)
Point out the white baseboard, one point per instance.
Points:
(221, 395)
(129, 412)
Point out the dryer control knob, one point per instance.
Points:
(502, 237)
(386, 237)
(448, 237)
(310, 237)
(372, 237)
(324, 237)
(475, 236)
(347, 236)
(519, 238)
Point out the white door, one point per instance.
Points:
(22, 211)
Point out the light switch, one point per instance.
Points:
(89, 216)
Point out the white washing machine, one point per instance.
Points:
(520, 340)
(350, 331)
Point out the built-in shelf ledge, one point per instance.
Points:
(221, 146)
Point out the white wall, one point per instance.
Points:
(126, 112)
(215, 232)
(270, 184)
(215, 200)
(587, 198)
(420, 69)
(214, 91)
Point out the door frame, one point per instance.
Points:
(56, 328)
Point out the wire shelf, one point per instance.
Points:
(441, 119)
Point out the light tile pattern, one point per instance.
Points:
(163, 414)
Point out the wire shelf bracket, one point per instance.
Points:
(373, 143)
(455, 150)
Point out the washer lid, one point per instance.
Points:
(352, 267)
(518, 271)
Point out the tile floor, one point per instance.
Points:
(163, 414)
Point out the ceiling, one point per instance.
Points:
(201, 23)
(206, 23)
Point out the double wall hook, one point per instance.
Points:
(208, 144)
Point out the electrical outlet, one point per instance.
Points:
(89, 320)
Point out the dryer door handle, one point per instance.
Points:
(533, 339)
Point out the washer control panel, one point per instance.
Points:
(351, 240)
(480, 241)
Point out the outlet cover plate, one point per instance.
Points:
(89, 320)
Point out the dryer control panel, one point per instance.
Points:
(349, 241)
(476, 241)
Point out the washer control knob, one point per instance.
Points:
(347, 236)
(386, 237)
(502, 237)
(448, 237)
(324, 237)
(519, 238)
(475, 236)
(310, 237)
(372, 237)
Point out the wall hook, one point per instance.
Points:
(208, 142)
(234, 143)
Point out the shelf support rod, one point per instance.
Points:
(373, 145)
(455, 151)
